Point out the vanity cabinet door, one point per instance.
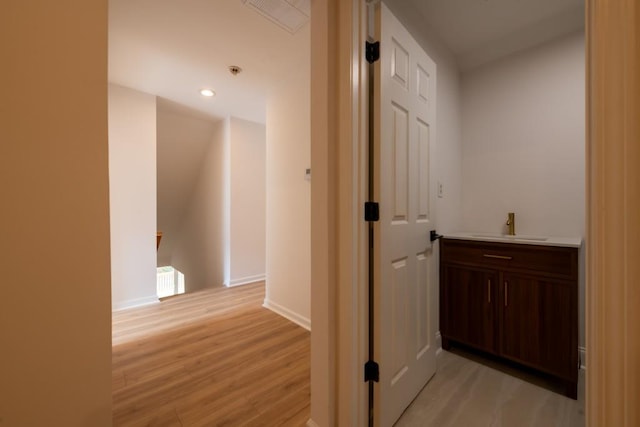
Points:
(536, 321)
(468, 307)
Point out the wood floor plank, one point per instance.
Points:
(163, 417)
(285, 412)
(211, 358)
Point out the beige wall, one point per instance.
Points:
(55, 317)
(247, 174)
(132, 187)
(289, 194)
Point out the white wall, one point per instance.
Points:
(448, 143)
(524, 144)
(523, 141)
(55, 316)
(199, 248)
(132, 185)
(289, 194)
(247, 238)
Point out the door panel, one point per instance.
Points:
(423, 172)
(423, 303)
(405, 275)
(400, 143)
(399, 320)
(469, 300)
(535, 319)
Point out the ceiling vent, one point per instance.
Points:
(289, 14)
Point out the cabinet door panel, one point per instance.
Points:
(468, 314)
(537, 315)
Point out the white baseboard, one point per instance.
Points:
(288, 314)
(138, 302)
(311, 423)
(246, 280)
(582, 352)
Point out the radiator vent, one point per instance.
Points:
(289, 14)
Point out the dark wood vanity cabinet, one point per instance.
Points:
(515, 301)
(472, 317)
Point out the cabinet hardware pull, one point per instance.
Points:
(489, 291)
(496, 256)
(506, 293)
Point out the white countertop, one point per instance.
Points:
(573, 242)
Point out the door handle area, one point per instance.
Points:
(433, 235)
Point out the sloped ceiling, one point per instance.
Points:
(183, 137)
(479, 31)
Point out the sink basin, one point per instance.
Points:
(509, 237)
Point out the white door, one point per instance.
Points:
(405, 269)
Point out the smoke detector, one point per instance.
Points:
(288, 14)
(235, 70)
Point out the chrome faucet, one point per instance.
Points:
(511, 223)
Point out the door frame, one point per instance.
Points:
(338, 394)
(612, 205)
(339, 252)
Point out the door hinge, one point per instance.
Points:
(371, 371)
(372, 52)
(371, 211)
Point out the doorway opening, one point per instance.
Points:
(169, 282)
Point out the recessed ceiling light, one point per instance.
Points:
(207, 92)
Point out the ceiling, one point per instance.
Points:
(479, 31)
(174, 48)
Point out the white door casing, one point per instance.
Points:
(405, 269)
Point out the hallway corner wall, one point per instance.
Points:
(288, 263)
(132, 191)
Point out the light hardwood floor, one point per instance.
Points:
(218, 358)
(211, 358)
(466, 393)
